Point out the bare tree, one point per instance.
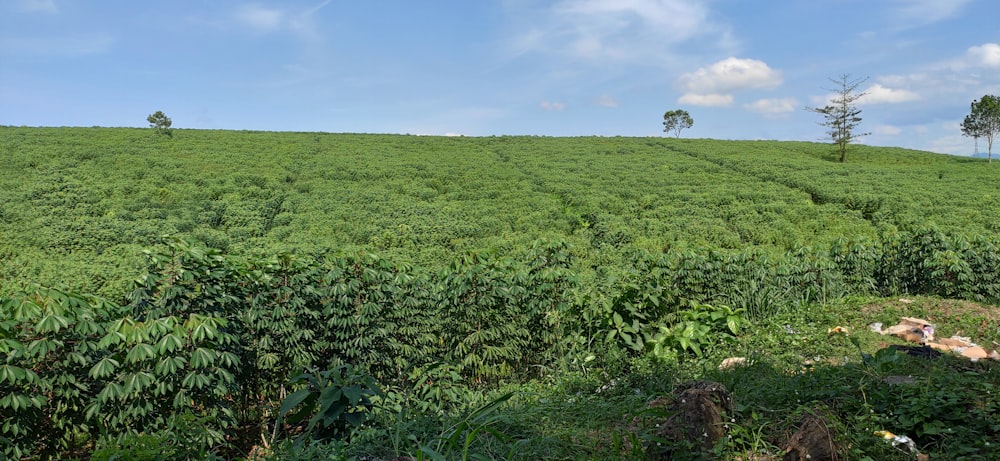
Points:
(842, 115)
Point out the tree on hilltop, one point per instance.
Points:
(161, 123)
(842, 115)
(677, 120)
(983, 121)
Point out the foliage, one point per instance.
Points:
(186, 436)
(677, 120)
(159, 367)
(842, 116)
(452, 271)
(75, 218)
(931, 262)
(486, 332)
(161, 123)
(79, 369)
(983, 121)
(332, 403)
(697, 328)
(48, 338)
(457, 440)
(206, 336)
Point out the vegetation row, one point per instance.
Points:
(213, 342)
(80, 204)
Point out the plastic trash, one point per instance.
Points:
(897, 440)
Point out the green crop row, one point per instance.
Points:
(77, 205)
(216, 338)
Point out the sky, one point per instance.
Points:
(743, 69)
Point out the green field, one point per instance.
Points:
(78, 204)
(482, 298)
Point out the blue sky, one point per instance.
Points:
(743, 69)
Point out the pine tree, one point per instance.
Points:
(842, 115)
(160, 122)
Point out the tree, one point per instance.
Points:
(160, 122)
(677, 120)
(983, 121)
(842, 115)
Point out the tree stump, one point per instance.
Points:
(695, 424)
(813, 442)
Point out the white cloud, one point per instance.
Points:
(926, 11)
(773, 108)
(986, 55)
(608, 29)
(260, 17)
(57, 46)
(878, 94)
(607, 101)
(731, 74)
(886, 130)
(952, 144)
(271, 19)
(681, 19)
(552, 106)
(41, 6)
(714, 85)
(711, 100)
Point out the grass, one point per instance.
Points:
(855, 382)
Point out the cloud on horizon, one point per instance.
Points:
(886, 130)
(714, 85)
(259, 17)
(985, 55)
(552, 106)
(57, 46)
(262, 19)
(41, 6)
(607, 101)
(879, 94)
(773, 108)
(921, 12)
(707, 100)
(616, 30)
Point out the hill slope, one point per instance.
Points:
(78, 204)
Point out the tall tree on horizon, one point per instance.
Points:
(983, 121)
(842, 115)
(677, 120)
(160, 122)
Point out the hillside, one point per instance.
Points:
(78, 205)
(246, 295)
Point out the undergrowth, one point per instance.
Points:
(947, 405)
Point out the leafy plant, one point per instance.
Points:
(332, 403)
(155, 369)
(48, 340)
(484, 329)
(698, 327)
